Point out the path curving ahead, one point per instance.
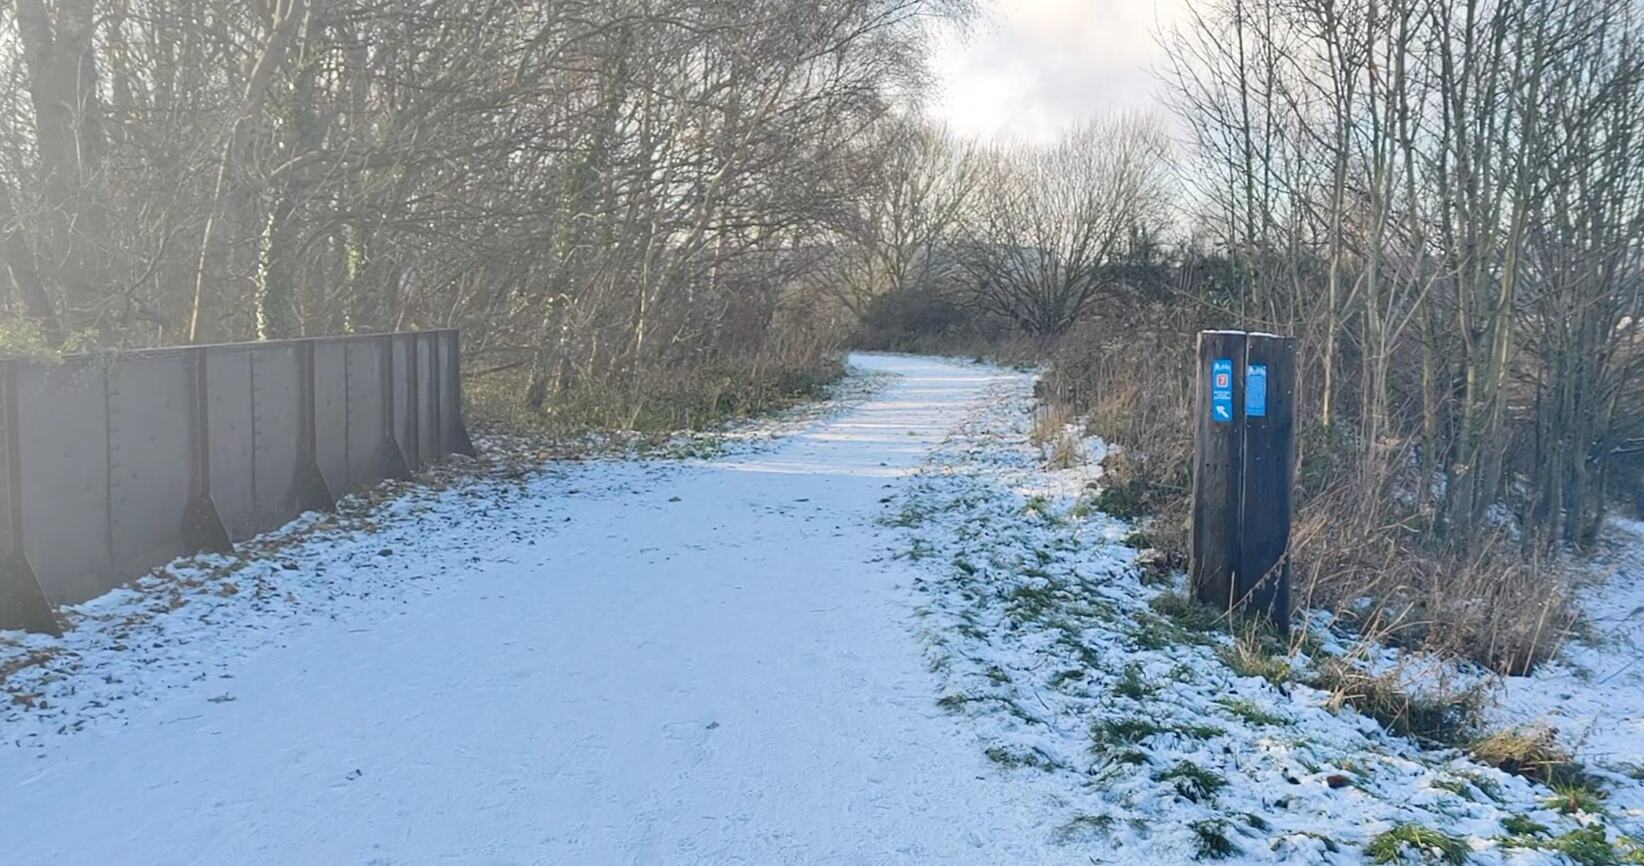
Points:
(700, 662)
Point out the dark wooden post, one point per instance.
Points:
(1218, 467)
(1263, 582)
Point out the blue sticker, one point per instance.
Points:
(1255, 391)
(1221, 390)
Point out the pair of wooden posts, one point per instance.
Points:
(1244, 463)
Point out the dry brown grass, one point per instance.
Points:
(1380, 565)
(1357, 535)
(657, 400)
(1056, 436)
(1133, 389)
(1534, 753)
(1448, 717)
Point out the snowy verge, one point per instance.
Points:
(1593, 694)
(1082, 680)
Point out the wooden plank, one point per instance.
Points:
(1218, 467)
(1269, 468)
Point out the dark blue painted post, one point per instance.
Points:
(1218, 467)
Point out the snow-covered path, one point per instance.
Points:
(641, 662)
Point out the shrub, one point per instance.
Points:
(926, 320)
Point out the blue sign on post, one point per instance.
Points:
(1255, 391)
(1221, 390)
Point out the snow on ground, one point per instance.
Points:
(640, 661)
(1594, 695)
(884, 631)
(194, 619)
(1078, 683)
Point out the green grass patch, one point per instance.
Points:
(1176, 620)
(953, 703)
(909, 517)
(1249, 659)
(1185, 612)
(1576, 799)
(1128, 499)
(1252, 712)
(1062, 678)
(1140, 539)
(1193, 782)
(1426, 844)
(1109, 734)
(1459, 787)
(1131, 757)
(1031, 602)
(1211, 841)
(1586, 846)
(1132, 685)
(1085, 825)
(1013, 759)
(1524, 825)
(1485, 785)
(1199, 731)
(1155, 633)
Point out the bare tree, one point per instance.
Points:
(1047, 223)
(1464, 229)
(895, 236)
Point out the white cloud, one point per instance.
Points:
(1033, 68)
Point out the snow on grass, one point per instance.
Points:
(1594, 693)
(1114, 698)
